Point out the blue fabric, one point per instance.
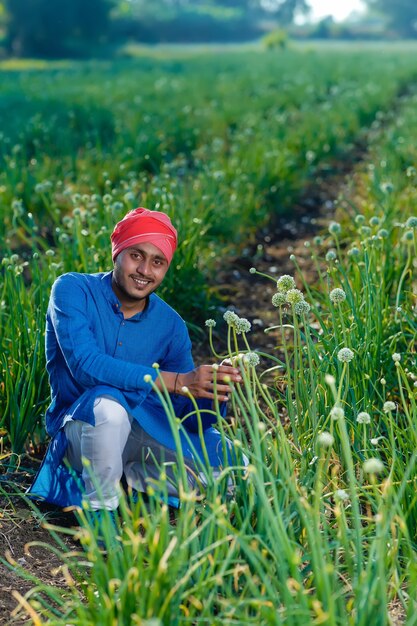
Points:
(92, 350)
(55, 482)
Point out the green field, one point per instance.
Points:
(323, 525)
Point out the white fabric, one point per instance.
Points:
(117, 445)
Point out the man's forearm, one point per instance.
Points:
(172, 381)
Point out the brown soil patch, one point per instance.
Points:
(19, 527)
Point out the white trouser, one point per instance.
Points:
(117, 444)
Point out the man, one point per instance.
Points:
(104, 332)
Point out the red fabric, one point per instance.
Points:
(142, 225)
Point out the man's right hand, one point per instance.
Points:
(202, 381)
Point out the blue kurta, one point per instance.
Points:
(92, 350)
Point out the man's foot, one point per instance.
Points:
(106, 529)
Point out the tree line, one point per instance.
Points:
(54, 28)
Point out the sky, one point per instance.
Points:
(339, 9)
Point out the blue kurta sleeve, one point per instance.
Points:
(87, 363)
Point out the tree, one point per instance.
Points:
(401, 14)
(203, 20)
(54, 27)
(281, 10)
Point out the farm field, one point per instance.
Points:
(322, 528)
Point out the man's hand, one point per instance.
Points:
(200, 381)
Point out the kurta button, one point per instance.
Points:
(120, 343)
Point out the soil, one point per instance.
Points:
(250, 297)
(19, 528)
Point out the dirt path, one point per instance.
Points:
(250, 295)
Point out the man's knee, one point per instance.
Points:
(110, 412)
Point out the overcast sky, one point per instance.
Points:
(339, 9)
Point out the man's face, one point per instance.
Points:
(138, 271)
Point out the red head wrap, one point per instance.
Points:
(142, 225)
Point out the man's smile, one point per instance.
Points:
(141, 282)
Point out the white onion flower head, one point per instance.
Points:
(345, 355)
(242, 325)
(279, 299)
(325, 439)
(396, 357)
(285, 283)
(251, 358)
(17, 205)
(210, 323)
(337, 295)
(359, 219)
(373, 466)
(331, 255)
(230, 317)
(354, 252)
(363, 418)
(386, 187)
(337, 413)
(330, 380)
(341, 495)
(383, 233)
(301, 308)
(335, 228)
(252, 270)
(411, 222)
(408, 236)
(389, 406)
(128, 197)
(234, 360)
(294, 296)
